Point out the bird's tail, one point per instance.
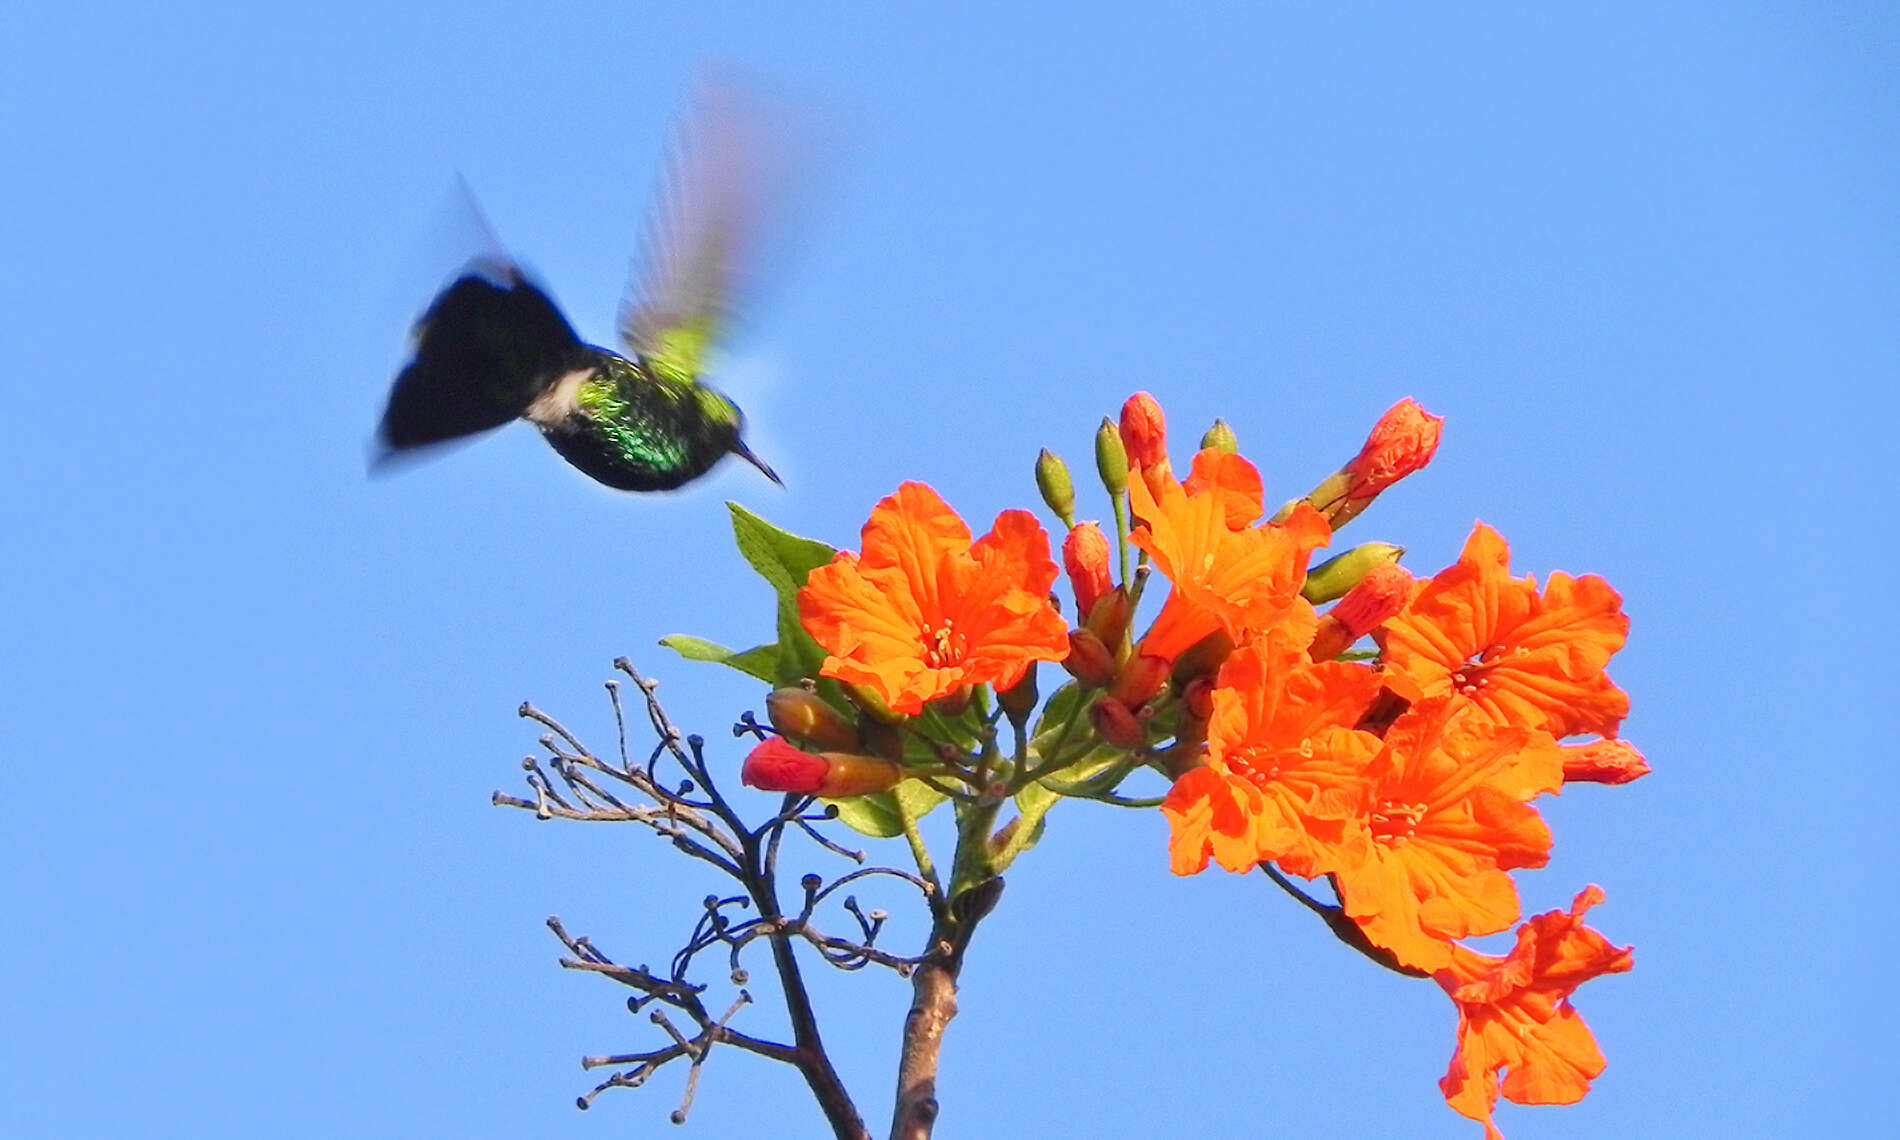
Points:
(489, 345)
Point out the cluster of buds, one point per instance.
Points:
(834, 762)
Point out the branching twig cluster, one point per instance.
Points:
(572, 782)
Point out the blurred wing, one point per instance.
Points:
(723, 180)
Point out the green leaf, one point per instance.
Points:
(878, 816)
(1058, 708)
(696, 648)
(784, 560)
(760, 661)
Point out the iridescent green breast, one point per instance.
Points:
(637, 431)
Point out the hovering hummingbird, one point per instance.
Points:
(493, 347)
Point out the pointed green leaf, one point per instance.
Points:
(696, 648)
(784, 560)
(760, 661)
(878, 816)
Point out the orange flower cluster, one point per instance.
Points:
(1405, 774)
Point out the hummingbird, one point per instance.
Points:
(493, 347)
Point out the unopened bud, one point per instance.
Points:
(1111, 458)
(1197, 696)
(1085, 556)
(1331, 579)
(801, 713)
(1020, 698)
(1404, 440)
(776, 766)
(1089, 661)
(1058, 490)
(1108, 619)
(1603, 762)
(1203, 658)
(1378, 598)
(1138, 680)
(1220, 437)
(1115, 724)
(1144, 431)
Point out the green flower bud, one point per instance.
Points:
(1058, 490)
(1221, 438)
(1331, 579)
(1111, 458)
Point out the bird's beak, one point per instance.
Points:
(742, 451)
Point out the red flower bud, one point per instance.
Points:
(1089, 661)
(1115, 724)
(776, 766)
(1085, 557)
(1403, 441)
(1378, 597)
(1198, 697)
(1109, 618)
(1139, 679)
(1144, 431)
(1603, 762)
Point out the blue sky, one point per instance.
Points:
(1643, 259)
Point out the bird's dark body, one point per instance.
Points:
(635, 431)
(493, 347)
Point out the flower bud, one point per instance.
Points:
(1058, 490)
(1109, 617)
(1138, 680)
(1144, 431)
(1220, 437)
(1332, 578)
(776, 766)
(1603, 762)
(1111, 458)
(1378, 597)
(1116, 725)
(1089, 661)
(1085, 556)
(801, 713)
(1403, 440)
(1203, 658)
(1197, 696)
(1020, 698)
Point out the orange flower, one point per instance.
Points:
(1225, 573)
(1526, 659)
(1447, 819)
(1284, 778)
(922, 613)
(1514, 1014)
